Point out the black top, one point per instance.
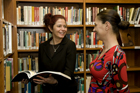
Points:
(52, 47)
(63, 60)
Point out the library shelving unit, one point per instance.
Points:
(132, 53)
(7, 17)
(40, 28)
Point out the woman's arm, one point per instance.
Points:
(120, 75)
(70, 60)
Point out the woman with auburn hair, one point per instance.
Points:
(57, 54)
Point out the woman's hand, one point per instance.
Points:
(24, 81)
(49, 80)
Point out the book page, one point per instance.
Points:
(30, 73)
(55, 73)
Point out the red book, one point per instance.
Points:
(35, 15)
(66, 13)
(76, 38)
(94, 39)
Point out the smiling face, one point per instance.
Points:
(99, 29)
(59, 29)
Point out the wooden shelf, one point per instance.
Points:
(134, 68)
(90, 25)
(128, 69)
(114, 1)
(131, 25)
(130, 47)
(36, 50)
(8, 55)
(78, 49)
(134, 89)
(87, 71)
(93, 48)
(75, 26)
(80, 72)
(61, 1)
(29, 50)
(42, 26)
(7, 22)
(0, 60)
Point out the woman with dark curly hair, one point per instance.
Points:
(109, 70)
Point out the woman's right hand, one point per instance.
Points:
(24, 81)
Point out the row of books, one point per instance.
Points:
(88, 79)
(7, 38)
(127, 14)
(28, 63)
(31, 40)
(79, 66)
(91, 40)
(8, 74)
(27, 88)
(77, 37)
(80, 81)
(31, 15)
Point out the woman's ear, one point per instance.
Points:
(107, 25)
(50, 29)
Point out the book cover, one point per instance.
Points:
(30, 75)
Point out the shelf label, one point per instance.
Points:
(136, 25)
(137, 47)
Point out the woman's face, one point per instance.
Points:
(59, 29)
(99, 29)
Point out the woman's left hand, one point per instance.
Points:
(49, 80)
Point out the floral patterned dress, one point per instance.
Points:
(109, 72)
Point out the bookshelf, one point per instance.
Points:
(61, 1)
(81, 72)
(0, 59)
(132, 53)
(36, 50)
(42, 26)
(131, 25)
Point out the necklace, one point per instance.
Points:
(54, 48)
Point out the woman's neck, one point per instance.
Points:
(110, 42)
(55, 41)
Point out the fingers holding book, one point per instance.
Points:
(43, 80)
(25, 81)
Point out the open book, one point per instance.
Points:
(32, 75)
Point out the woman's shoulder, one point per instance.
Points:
(44, 43)
(119, 50)
(68, 41)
